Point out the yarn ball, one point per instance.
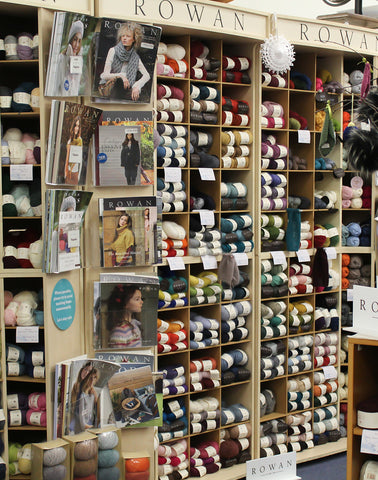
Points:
(83, 468)
(24, 459)
(85, 450)
(56, 472)
(107, 458)
(112, 473)
(107, 440)
(54, 456)
(136, 465)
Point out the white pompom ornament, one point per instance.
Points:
(277, 54)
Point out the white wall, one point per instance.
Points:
(305, 8)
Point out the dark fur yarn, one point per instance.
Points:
(361, 147)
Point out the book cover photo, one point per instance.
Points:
(88, 380)
(67, 159)
(133, 396)
(125, 314)
(124, 149)
(69, 70)
(124, 61)
(64, 220)
(129, 231)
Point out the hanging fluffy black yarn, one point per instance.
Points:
(361, 146)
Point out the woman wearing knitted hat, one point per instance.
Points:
(124, 74)
(123, 245)
(70, 60)
(72, 167)
(124, 303)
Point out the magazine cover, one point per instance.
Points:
(125, 314)
(69, 70)
(133, 397)
(124, 149)
(124, 61)
(129, 231)
(67, 157)
(88, 378)
(63, 222)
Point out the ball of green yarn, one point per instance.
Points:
(13, 451)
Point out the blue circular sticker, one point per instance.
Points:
(102, 157)
(66, 85)
(63, 304)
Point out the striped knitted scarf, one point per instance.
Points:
(122, 55)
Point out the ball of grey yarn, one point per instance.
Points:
(54, 456)
(107, 458)
(11, 40)
(107, 440)
(57, 472)
(112, 473)
(85, 450)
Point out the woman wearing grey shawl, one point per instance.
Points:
(123, 64)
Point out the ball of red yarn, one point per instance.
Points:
(23, 255)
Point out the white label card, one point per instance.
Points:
(176, 263)
(76, 64)
(350, 295)
(241, 258)
(27, 334)
(21, 172)
(331, 253)
(172, 174)
(207, 174)
(369, 441)
(206, 217)
(329, 372)
(209, 262)
(303, 255)
(365, 126)
(279, 258)
(304, 136)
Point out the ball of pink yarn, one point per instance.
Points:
(35, 417)
(29, 157)
(8, 297)
(37, 401)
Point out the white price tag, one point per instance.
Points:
(329, 372)
(365, 126)
(73, 238)
(304, 136)
(27, 334)
(279, 258)
(76, 64)
(172, 174)
(303, 255)
(207, 174)
(176, 263)
(369, 441)
(241, 258)
(209, 262)
(350, 295)
(331, 253)
(21, 172)
(207, 217)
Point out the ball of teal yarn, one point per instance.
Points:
(54, 456)
(107, 458)
(111, 473)
(57, 472)
(107, 440)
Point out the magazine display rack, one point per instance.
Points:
(53, 343)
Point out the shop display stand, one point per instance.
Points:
(362, 365)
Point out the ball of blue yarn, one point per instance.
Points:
(107, 458)
(111, 473)
(107, 440)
